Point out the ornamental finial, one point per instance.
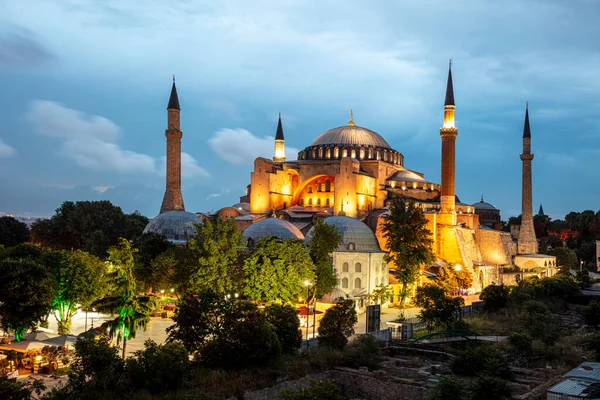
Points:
(351, 122)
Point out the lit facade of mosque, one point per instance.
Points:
(351, 173)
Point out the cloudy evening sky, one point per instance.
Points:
(85, 83)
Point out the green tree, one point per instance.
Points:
(97, 371)
(451, 279)
(92, 226)
(287, 326)
(158, 368)
(566, 259)
(214, 258)
(224, 332)
(79, 278)
(20, 390)
(437, 309)
(276, 270)
(133, 311)
(449, 387)
(24, 252)
(152, 274)
(494, 297)
(583, 278)
(521, 342)
(26, 293)
(337, 325)
(408, 241)
(324, 240)
(535, 318)
(381, 294)
(490, 388)
(12, 232)
(134, 226)
(319, 390)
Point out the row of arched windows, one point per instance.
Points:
(321, 186)
(357, 283)
(369, 153)
(357, 267)
(317, 202)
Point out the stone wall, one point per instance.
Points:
(496, 247)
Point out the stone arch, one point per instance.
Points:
(357, 283)
(357, 267)
(345, 283)
(345, 267)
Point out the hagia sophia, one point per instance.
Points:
(348, 175)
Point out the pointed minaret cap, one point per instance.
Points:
(526, 129)
(541, 211)
(173, 100)
(279, 134)
(449, 89)
(351, 122)
(481, 199)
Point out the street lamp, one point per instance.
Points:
(39, 360)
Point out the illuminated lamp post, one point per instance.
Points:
(39, 360)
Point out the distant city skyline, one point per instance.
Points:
(86, 85)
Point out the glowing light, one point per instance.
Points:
(172, 290)
(458, 267)
(307, 283)
(38, 358)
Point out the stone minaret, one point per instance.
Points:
(448, 132)
(173, 199)
(279, 155)
(527, 243)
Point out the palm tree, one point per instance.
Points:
(132, 311)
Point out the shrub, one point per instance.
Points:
(319, 390)
(481, 360)
(364, 351)
(591, 314)
(490, 388)
(449, 387)
(437, 309)
(520, 341)
(494, 297)
(157, 368)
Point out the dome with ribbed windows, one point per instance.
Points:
(176, 226)
(275, 227)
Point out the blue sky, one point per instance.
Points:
(85, 85)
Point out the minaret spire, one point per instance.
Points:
(448, 134)
(527, 243)
(351, 122)
(279, 153)
(173, 199)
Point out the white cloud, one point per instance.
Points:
(102, 189)
(215, 195)
(189, 166)
(5, 150)
(91, 141)
(239, 146)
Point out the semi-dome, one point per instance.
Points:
(351, 136)
(176, 226)
(276, 227)
(356, 235)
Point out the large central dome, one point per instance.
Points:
(351, 136)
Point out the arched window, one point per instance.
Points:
(301, 201)
(353, 154)
(310, 202)
(328, 153)
(310, 189)
(336, 152)
(351, 246)
(327, 201)
(345, 267)
(327, 185)
(357, 267)
(357, 283)
(345, 283)
(318, 202)
(344, 153)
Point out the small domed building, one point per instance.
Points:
(177, 226)
(267, 227)
(358, 260)
(488, 214)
